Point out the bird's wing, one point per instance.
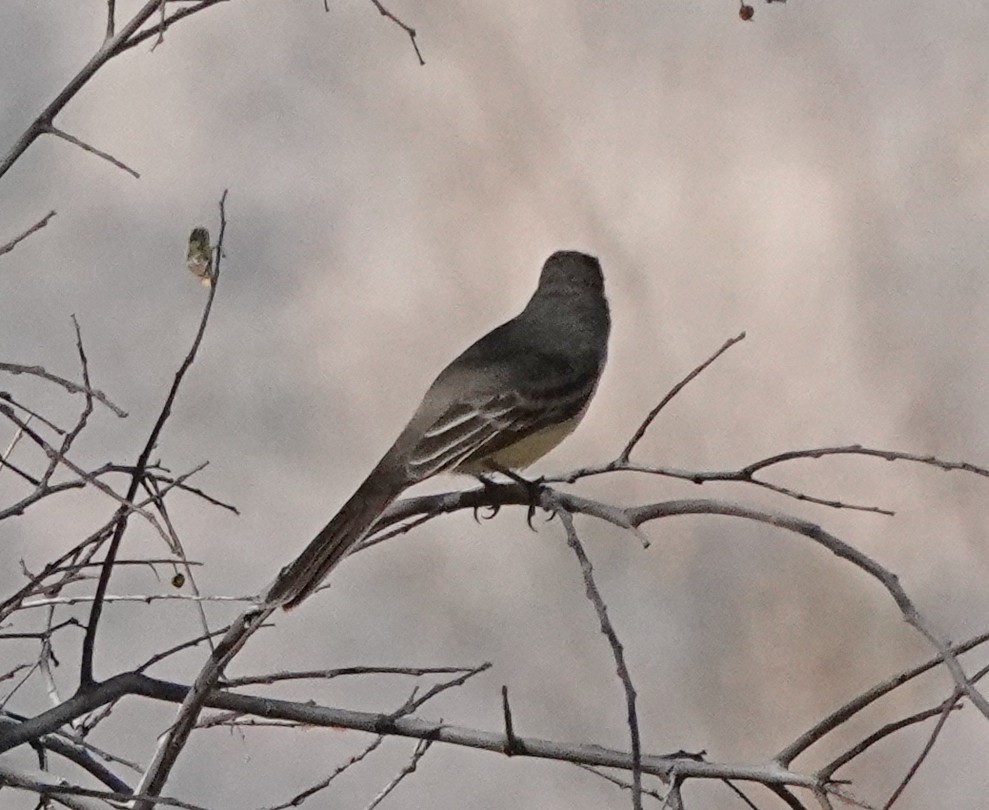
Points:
(476, 427)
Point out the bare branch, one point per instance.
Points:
(106, 52)
(146, 598)
(53, 130)
(506, 710)
(413, 703)
(621, 783)
(158, 497)
(499, 495)
(420, 751)
(6, 397)
(853, 707)
(941, 712)
(746, 474)
(338, 672)
(18, 239)
(949, 706)
(86, 666)
(859, 450)
(637, 436)
(163, 25)
(126, 504)
(299, 798)
(408, 29)
(154, 659)
(594, 595)
(837, 547)
(172, 743)
(68, 385)
(665, 767)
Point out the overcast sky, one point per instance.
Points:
(818, 177)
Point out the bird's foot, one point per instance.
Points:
(535, 489)
(490, 509)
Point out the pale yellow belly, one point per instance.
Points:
(520, 455)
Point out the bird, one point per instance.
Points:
(502, 404)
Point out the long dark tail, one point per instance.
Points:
(299, 579)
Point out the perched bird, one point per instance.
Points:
(502, 404)
(199, 258)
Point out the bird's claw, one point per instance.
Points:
(492, 508)
(530, 514)
(535, 489)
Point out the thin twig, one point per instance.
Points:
(859, 450)
(413, 703)
(738, 792)
(159, 499)
(68, 385)
(109, 49)
(637, 436)
(6, 397)
(86, 548)
(161, 28)
(616, 646)
(420, 751)
(126, 504)
(511, 741)
(173, 742)
(163, 25)
(146, 598)
(941, 712)
(17, 239)
(154, 659)
(838, 547)
(111, 7)
(338, 672)
(853, 707)
(53, 130)
(408, 29)
(655, 794)
(299, 798)
(928, 747)
(86, 666)
(747, 473)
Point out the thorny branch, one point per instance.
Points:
(312, 714)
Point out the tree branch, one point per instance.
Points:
(132, 683)
(9, 246)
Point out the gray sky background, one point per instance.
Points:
(818, 177)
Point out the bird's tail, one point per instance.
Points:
(351, 524)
